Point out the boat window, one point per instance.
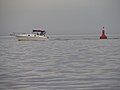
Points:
(28, 35)
(37, 33)
(34, 35)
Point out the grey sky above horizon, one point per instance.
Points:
(60, 16)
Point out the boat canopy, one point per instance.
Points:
(38, 31)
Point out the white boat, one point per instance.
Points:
(34, 36)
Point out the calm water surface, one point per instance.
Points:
(61, 63)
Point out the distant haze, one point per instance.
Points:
(60, 16)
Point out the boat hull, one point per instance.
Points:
(29, 38)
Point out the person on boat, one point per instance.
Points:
(42, 33)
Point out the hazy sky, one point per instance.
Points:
(60, 16)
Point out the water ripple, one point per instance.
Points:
(67, 63)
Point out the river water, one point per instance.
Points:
(60, 63)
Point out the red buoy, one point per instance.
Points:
(103, 36)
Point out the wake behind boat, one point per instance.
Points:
(34, 36)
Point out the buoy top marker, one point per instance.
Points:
(103, 36)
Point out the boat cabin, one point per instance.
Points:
(39, 32)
